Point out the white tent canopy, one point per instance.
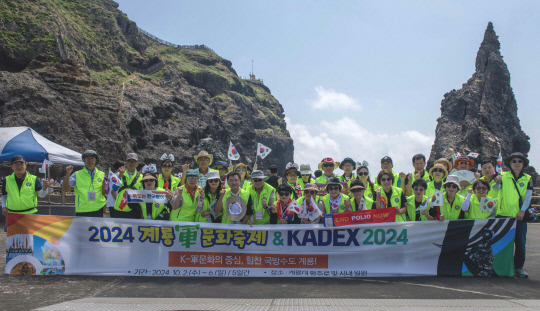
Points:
(34, 147)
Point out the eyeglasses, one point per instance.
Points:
(453, 186)
(193, 177)
(386, 179)
(240, 169)
(284, 194)
(363, 173)
(463, 162)
(213, 181)
(438, 170)
(328, 165)
(257, 180)
(333, 188)
(481, 188)
(203, 160)
(357, 190)
(310, 191)
(517, 161)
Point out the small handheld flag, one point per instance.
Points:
(114, 179)
(499, 164)
(45, 166)
(262, 150)
(233, 153)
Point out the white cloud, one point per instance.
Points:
(346, 138)
(330, 99)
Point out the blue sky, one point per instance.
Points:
(359, 79)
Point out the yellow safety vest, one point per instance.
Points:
(411, 208)
(451, 212)
(187, 211)
(126, 185)
(22, 201)
(175, 182)
(326, 201)
(256, 198)
(157, 208)
(395, 201)
(84, 183)
(508, 195)
(474, 209)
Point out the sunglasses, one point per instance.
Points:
(310, 191)
(193, 177)
(328, 165)
(149, 180)
(386, 179)
(453, 186)
(213, 181)
(438, 170)
(357, 190)
(284, 194)
(363, 174)
(463, 162)
(481, 188)
(517, 161)
(203, 160)
(257, 180)
(333, 188)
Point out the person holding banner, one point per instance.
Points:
(392, 195)
(89, 184)
(478, 201)
(154, 210)
(235, 202)
(206, 212)
(452, 201)
(166, 180)
(286, 210)
(187, 197)
(309, 204)
(131, 180)
(328, 166)
(362, 174)
(515, 195)
(334, 201)
(292, 174)
(359, 202)
(263, 196)
(241, 169)
(21, 189)
(418, 202)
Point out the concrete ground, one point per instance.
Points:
(98, 293)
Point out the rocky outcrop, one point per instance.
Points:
(106, 86)
(481, 116)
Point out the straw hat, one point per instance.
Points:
(327, 160)
(204, 154)
(446, 162)
(236, 208)
(441, 166)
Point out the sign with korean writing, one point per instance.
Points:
(146, 196)
(49, 245)
(360, 217)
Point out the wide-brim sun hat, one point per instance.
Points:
(357, 184)
(192, 172)
(221, 164)
(348, 160)
(310, 187)
(516, 155)
(204, 154)
(257, 174)
(148, 177)
(334, 182)
(327, 160)
(305, 169)
(452, 179)
(212, 175)
(445, 162)
(441, 166)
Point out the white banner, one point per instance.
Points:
(146, 196)
(39, 244)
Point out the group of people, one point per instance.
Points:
(221, 192)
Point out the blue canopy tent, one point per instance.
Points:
(34, 147)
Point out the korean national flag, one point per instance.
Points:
(499, 164)
(233, 153)
(262, 150)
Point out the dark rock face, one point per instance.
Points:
(89, 100)
(482, 116)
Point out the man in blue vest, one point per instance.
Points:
(89, 186)
(21, 189)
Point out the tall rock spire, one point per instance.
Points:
(481, 116)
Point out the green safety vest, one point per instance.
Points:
(22, 201)
(302, 184)
(328, 208)
(157, 208)
(431, 188)
(368, 192)
(187, 211)
(266, 192)
(206, 204)
(367, 201)
(451, 212)
(474, 209)
(343, 179)
(494, 194)
(395, 201)
(246, 185)
(84, 184)
(323, 180)
(126, 185)
(508, 196)
(411, 208)
(243, 194)
(175, 182)
(425, 177)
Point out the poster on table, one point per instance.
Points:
(50, 245)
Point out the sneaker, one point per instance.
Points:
(520, 273)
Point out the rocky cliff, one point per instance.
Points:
(481, 116)
(83, 75)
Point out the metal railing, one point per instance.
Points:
(189, 47)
